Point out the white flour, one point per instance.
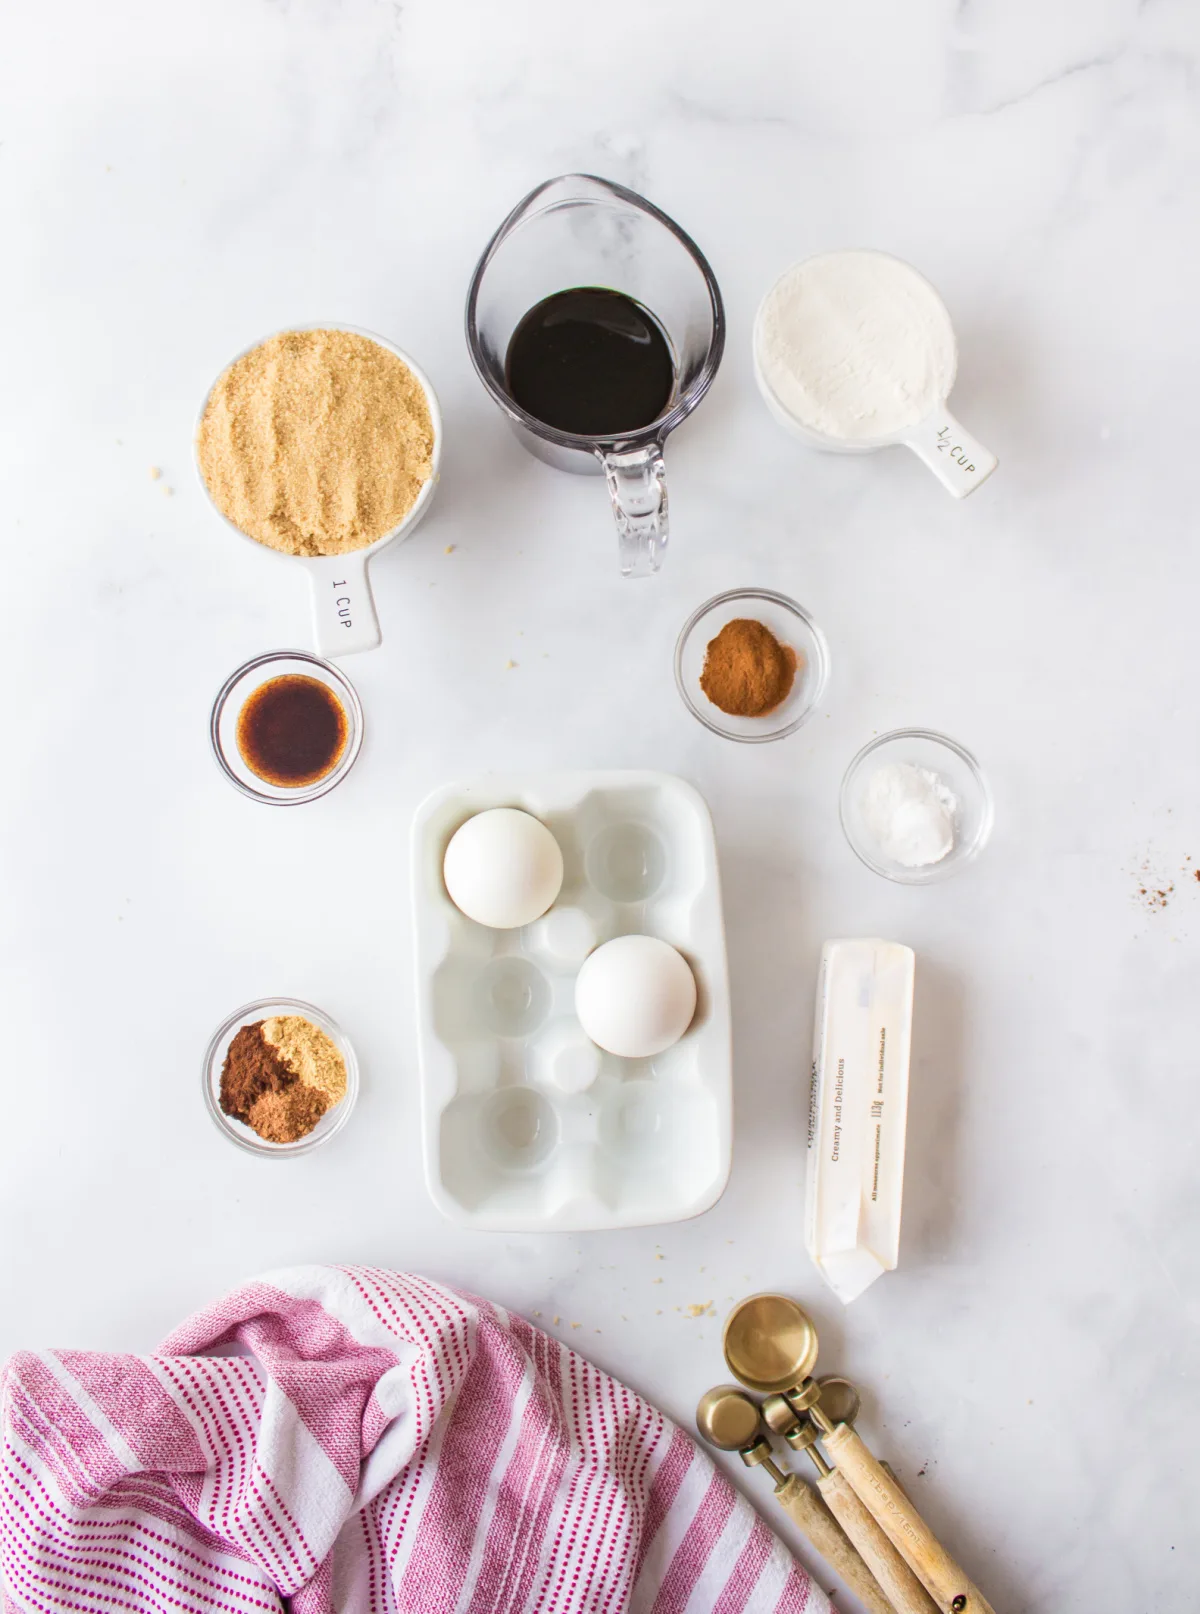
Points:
(910, 812)
(855, 345)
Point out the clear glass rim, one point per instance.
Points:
(306, 793)
(248, 1013)
(954, 860)
(658, 429)
(410, 517)
(820, 671)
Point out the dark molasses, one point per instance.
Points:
(292, 731)
(590, 361)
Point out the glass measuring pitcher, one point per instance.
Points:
(579, 230)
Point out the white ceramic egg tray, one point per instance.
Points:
(527, 1126)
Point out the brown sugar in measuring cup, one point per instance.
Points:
(292, 730)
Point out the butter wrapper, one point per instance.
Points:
(858, 1107)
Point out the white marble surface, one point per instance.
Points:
(175, 182)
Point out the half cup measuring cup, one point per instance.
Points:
(579, 230)
(958, 460)
(343, 609)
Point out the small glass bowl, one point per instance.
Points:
(791, 625)
(238, 688)
(962, 775)
(236, 1131)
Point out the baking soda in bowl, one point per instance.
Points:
(854, 350)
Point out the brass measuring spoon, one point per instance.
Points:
(840, 1400)
(771, 1346)
(729, 1420)
(901, 1587)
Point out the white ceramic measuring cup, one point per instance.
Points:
(343, 609)
(959, 461)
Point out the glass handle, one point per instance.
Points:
(638, 487)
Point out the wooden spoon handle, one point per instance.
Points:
(819, 1525)
(902, 1588)
(903, 1525)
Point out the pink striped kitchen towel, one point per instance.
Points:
(364, 1441)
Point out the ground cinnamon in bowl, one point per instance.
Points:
(747, 671)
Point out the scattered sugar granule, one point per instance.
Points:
(155, 473)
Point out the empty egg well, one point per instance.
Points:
(626, 863)
(518, 1128)
(512, 997)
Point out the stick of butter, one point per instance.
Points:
(858, 1107)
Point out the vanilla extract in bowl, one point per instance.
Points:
(286, 727)
(292, 731)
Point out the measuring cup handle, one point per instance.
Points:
(903, 1525)
(959, 461)
(344, 619)
(807, 1510)
(638, 488)
(900, 1586)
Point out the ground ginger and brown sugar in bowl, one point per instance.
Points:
(279, 1077)
(316, 442)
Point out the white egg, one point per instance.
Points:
(503, 868)
(635, 996)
